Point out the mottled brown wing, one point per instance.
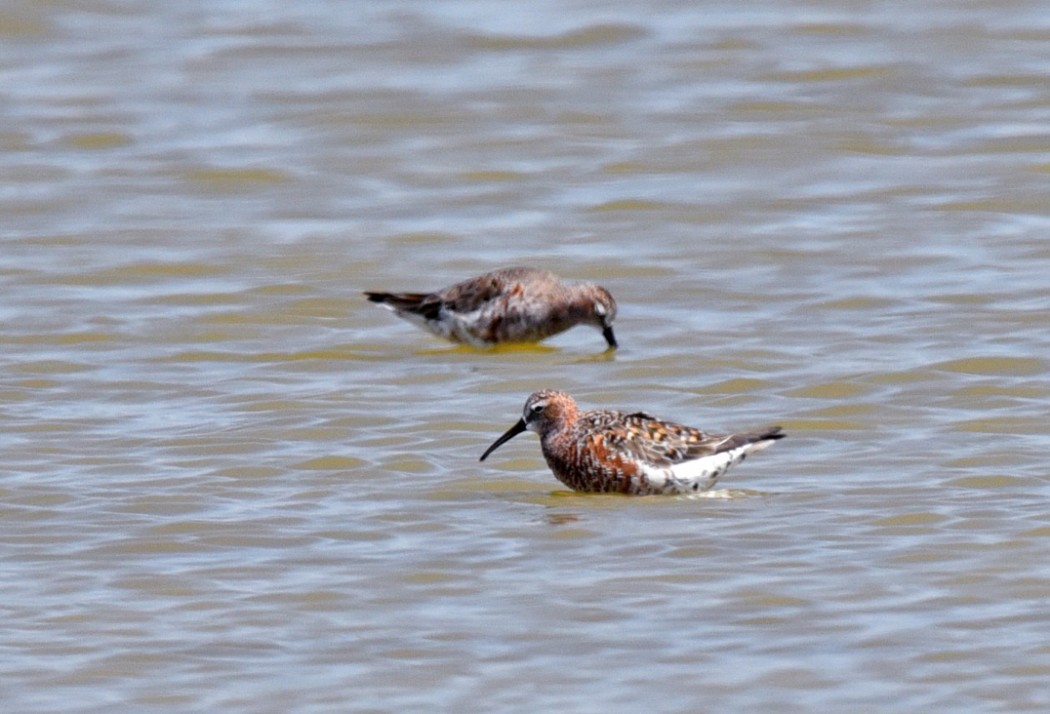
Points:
(657, 442)
(472, 295)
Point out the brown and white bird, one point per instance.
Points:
(609, 451)
(509, 305)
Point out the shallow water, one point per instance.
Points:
(230, 483)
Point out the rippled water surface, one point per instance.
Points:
(229, 483)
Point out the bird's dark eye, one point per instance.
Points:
(537, 408)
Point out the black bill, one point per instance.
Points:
(511, 433)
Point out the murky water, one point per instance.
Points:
(231, 484)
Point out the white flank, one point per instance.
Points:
(451, 325)
(699, 474)
(702, 469)
(460, 324)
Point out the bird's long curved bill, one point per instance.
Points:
(511, 433)
(607, 333)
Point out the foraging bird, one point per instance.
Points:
(509, 305)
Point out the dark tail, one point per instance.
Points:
(773, 432)
(401, 301)
(425, 304)
(768, 436)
